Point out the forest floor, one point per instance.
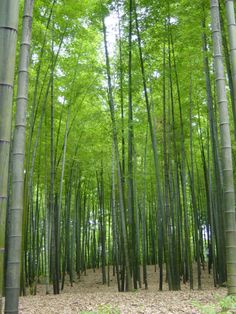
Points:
(88, 295)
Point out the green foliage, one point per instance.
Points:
(104, 309)
(205, 309)
(67, 35)
(226, 305)
(107, 309)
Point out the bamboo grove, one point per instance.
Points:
(116, 153)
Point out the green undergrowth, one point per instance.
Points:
(103, 309)
(226, 305)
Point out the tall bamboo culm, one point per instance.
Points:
(230, 15)
(226, 151)
(8, 35)
(18, 154)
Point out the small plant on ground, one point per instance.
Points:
(205, 309)
(107, 309)
(104, 309)
(226, 305)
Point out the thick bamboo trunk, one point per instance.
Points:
(18, 153)
(230, 15)
(229, 197)
(8, 35)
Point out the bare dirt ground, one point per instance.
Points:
(88, 295)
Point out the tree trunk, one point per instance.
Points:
(230, 15)
(8, 35)
(229, 198)
(119, 174)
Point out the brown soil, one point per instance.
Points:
(89, 295)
